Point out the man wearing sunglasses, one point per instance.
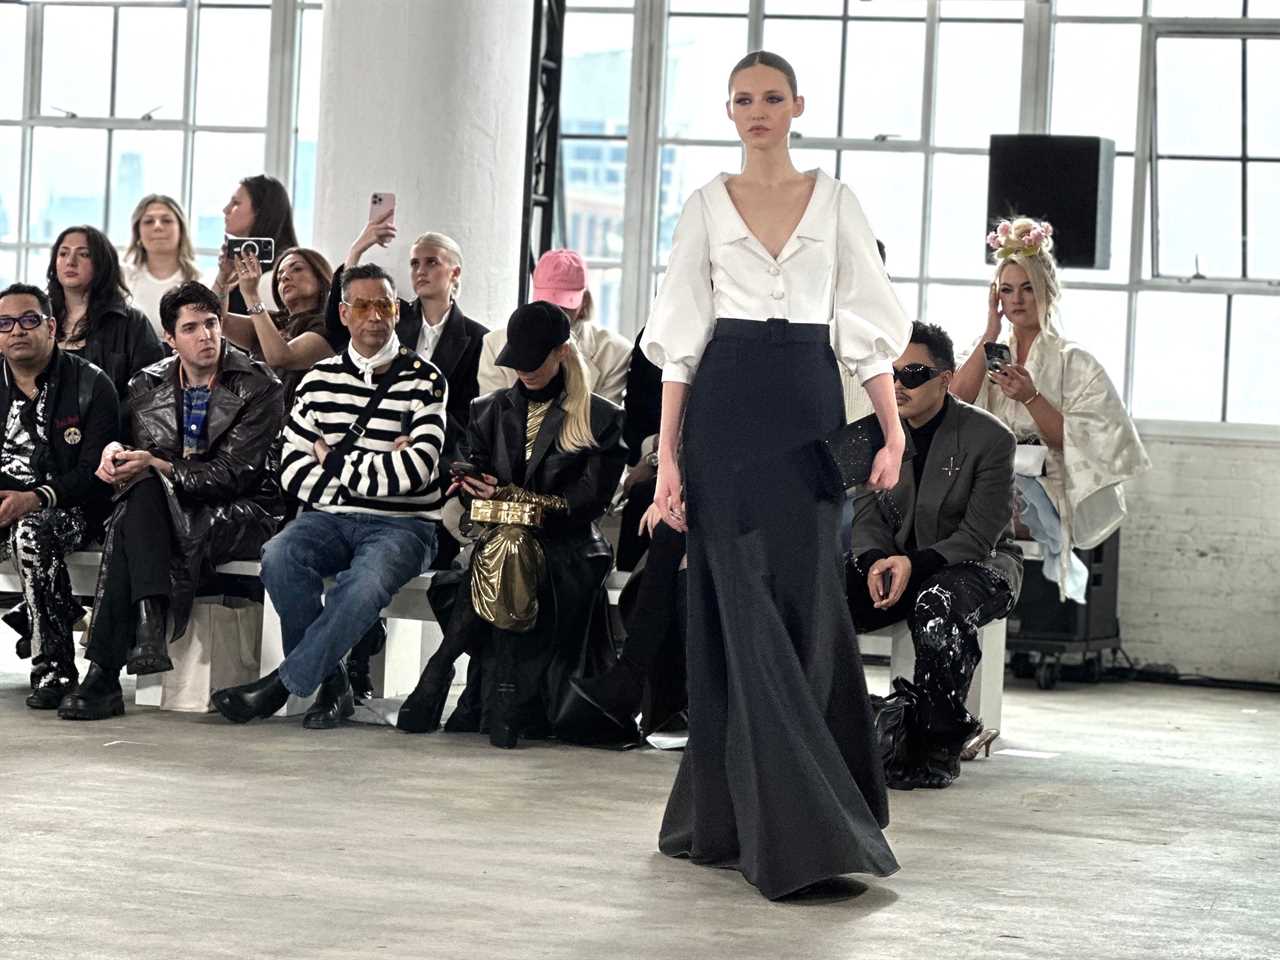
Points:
(935, 551)
(57, 413)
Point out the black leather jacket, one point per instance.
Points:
(121, 341)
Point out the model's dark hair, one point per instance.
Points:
(937, 341)
(318, 265)
(193, 293)
(272, 212)
(28, 290)
(764, 58)
(365, 271)
(108, 286)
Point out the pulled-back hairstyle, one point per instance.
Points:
(1041, 268)
(137, 253)
(450, 246)
(272, 212)
(764, 58)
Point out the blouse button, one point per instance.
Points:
(774, 271)
(778, 294)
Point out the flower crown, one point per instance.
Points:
(1003, 241)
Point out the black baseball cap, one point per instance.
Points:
(533, 331)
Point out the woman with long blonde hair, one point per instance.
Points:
(551, 450)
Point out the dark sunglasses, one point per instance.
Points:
(28, 321)
(915, 375)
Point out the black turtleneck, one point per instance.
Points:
(549, 392)
(922, 438)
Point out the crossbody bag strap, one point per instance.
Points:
(356, 429)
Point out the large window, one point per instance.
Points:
(105, 101)
(902, 97)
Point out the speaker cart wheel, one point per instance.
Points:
(1047, 674)
(1093, 669)
(1023, 668)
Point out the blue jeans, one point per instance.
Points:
(370, 558)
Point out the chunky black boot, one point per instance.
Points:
(616, 693)
(358, 674)
(422, 709)
(50, 682)
(252, 701)
(98, 698)
(150, 652)
(334, 702)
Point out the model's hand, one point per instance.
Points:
(887, 463)
(16, 504)
(1015, 382)
(669, 496)
(885, 595)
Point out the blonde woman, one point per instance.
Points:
(160, 256)
(548, 440)
(1078, 444)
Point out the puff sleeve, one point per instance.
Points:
(683, 316)
(871, 329)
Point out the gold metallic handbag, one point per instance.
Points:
(507, 569)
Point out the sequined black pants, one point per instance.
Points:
(38, 544)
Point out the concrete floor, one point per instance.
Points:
(1154, 832)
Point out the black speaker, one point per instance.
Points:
(1040, 615)
(1065, 180)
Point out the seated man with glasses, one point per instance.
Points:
(934, 551)
(57, 412)
(362, 452)
(195, 488)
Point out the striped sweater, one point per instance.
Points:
(372, 477)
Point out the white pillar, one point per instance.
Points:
(428, 99)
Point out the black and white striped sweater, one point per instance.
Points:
(372, 477)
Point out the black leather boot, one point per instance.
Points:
(150, 652)
(422, 709)
(50, 682)
(97, 698)
(334, 702)
(252, 701)
(359, 676)
(616, 693)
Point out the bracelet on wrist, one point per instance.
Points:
(1033, 399)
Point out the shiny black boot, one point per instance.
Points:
(422, 709)
(98, 697)
(252, 701)
(360, 677)
(334, 702)
(150, 652)
(50, 682)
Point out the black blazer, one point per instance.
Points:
(83, 418)
(587, 479)
(457, 354)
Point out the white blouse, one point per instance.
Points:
(828, 272)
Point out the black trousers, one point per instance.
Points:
(136, 567)
(945, 612)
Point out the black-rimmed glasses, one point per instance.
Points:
(27, 321)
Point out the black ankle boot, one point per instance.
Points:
(334, 702)
(359, 676)
(422, 709)
(616, 693)
(53, 682)
(150, 652)
(98, 698)
(252, 701)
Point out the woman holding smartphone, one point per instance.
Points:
(259, 207)
(1051, 392)
(781, 778)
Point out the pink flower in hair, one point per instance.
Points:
(1003, 229)
(1034, 237)
(1047, 227)
(993, 241)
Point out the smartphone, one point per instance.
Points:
(264, 248)
(463, 468)
(997, 355)
(382, 205)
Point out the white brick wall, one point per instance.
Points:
(1200, 559)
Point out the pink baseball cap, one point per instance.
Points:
(561, 278)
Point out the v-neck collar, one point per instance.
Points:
(803, 229)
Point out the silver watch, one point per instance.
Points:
(257, 308)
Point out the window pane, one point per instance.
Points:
(606, 290)
(1197, 8)
(13, 39)
(959, 217)
(872, 106)
(1264, 221)
(68, 177)
(959, 310)
(1098, 320)
(908, 296)
(814, 159)
(683, 170)
(890, 187)
(1178, 356)
(1198, 96)
(595, 196)
(1266, 9)
(1255, 343)
(888, 8)
(142, 162)
(1099, 8)
(221, 161)
(1003, 9)
(972, 104)
(1199, 216)
(815, 45)
(795, 8)
(595, 95)
(150, 63)
(1090, 102)
(308, 120)
(76, 74)
(231, 70)
(10, 164)
(710, 6)
(8, 267)
(627, 4)
(1121, 219)
(700, 53)
(1264, 80)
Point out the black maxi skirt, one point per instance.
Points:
(781, 778)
